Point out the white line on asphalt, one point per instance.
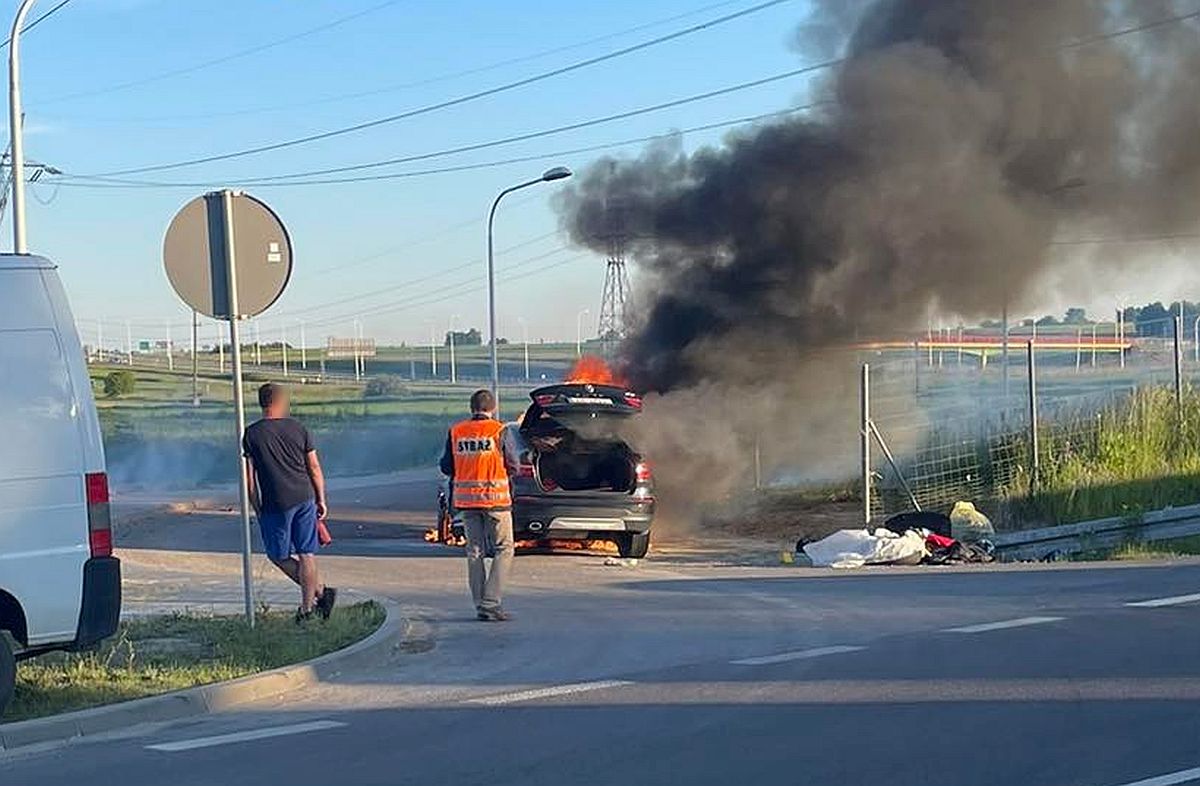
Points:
(784, 657)
(1170, 779)
(1157, 602)
(1017, 623)
(244, 736)
(546, 693)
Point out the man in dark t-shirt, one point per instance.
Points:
(288, 497)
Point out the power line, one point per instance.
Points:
(342, 97)
(1170, 20)
(458, 101)
(218, 60)
(55, 9)
(295, 178)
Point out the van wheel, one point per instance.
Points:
(8, 672)
(633, 544)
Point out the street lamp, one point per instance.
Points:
(432, 351)
(525, 336)
(15, 130)
(579, 331)
(550, 175)
(453, 365)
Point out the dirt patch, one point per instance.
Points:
(789, 514)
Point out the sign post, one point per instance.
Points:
(228, 256)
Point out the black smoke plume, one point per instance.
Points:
(954, 143)
(951, 146)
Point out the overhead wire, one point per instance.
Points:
(457, 101)
(217, 60)
(46, 15)
(342, 97)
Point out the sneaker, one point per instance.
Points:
(303, 617)
(483, 616)
(326, 601)
(495, 615)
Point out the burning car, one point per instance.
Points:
(578, 481)
(578, 478)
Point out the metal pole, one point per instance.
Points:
(757, 464)
(221, 348)
(960, 345)
(579, 331)
(1078, 349)
(303, 348)
(917, 367)
(432, 354)
(865, 440)
(195, 358)
(16, 132)
(1004, 351)
(100, 340)
(453, 365)
(128, 343)
(1179, 367)
(257, 345)
(525, 331)
(1034, 453)
(239, 403)
(1196, 340)
(1093, 346)
(170, 356)
(1120, 330)
(283, 346)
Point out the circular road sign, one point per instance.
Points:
(194, 254)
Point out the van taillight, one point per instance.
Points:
(99, 516)
(642, 472)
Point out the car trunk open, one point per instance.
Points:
(575, 463)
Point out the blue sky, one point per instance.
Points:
(363, 247)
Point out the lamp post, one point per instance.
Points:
(432, 352)
(550, 175)
(579, 332)
(303, 347)
(283, 346)
(525, 338)
(16, 132)
(453, 365)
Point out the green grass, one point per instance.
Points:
(135, 663)
(1135, 551)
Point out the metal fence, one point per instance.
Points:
(939, 425)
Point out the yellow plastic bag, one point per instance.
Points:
(968, 524)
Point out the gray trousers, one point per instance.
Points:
(489, 533)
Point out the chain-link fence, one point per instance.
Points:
(1105, 428)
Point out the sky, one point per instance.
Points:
(113, 85)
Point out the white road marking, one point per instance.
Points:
(1020, 622)
(1157, 602)
(244, 736)
(784, 657)
(1170, 779)
(546, 693)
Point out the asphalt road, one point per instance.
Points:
(692, 667)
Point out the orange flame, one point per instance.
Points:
(590, 368)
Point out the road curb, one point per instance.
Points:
(204, 699)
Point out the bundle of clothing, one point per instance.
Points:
(920, 538)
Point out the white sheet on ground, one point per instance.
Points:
(853, 548)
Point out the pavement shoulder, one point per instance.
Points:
(374, 650)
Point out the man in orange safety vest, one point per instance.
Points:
(477, 458)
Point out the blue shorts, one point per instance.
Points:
(291, 531)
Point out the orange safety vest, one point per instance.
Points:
(480, 478)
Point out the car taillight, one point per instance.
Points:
(545, 400)
(99, 515)
(642, 472)
(633, 400)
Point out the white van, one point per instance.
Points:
(60, 586)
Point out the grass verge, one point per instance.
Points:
(159, 654)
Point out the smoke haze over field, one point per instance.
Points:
(947, 151)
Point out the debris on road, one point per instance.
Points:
(621, 562)
(968, 524)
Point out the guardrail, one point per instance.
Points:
(1070, 539)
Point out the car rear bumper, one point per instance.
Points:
(543, 517)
